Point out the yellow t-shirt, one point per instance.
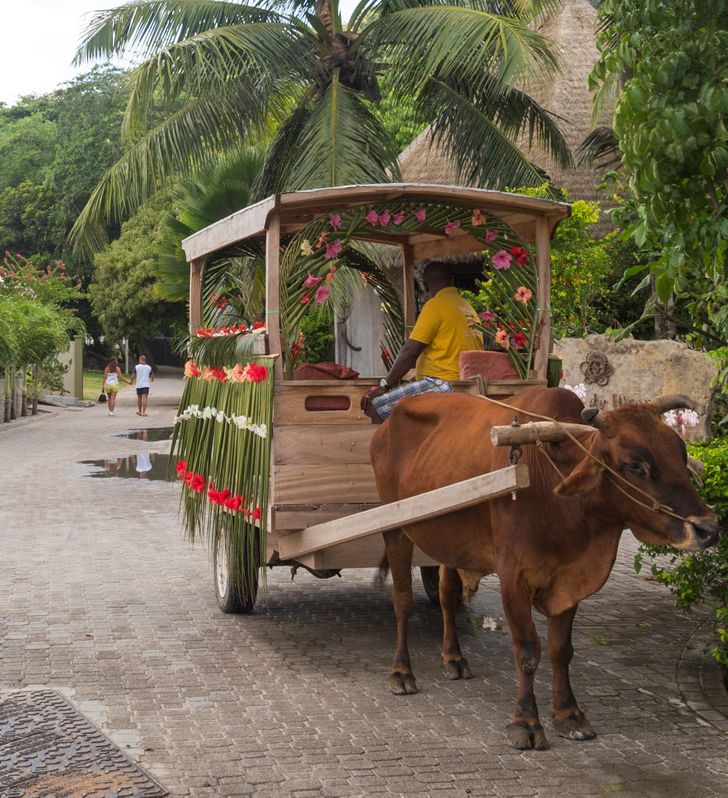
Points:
(445, 326)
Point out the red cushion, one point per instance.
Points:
(491, 365)
(324, 371)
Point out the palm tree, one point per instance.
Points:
(292, 73)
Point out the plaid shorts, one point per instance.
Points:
(385, 403)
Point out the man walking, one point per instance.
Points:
(144, 376)
(444, 329)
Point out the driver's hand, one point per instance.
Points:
(372, 393)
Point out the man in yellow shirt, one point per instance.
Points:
(444, 329)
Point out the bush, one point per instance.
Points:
(701, 577)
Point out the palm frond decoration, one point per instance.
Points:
(221, 449)
(600, 149)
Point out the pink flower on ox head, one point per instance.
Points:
(384, 218)
(420, 215)
(322, 293)
(311, 281)
(451, 227)
(398, 218)
(501, 260)
(335, 220)
(501, 338)
(523, 294)
(372, 217)
(333, 249)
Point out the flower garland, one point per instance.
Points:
(241, 422)
(251, 372)
(220, 498)
(232, 329)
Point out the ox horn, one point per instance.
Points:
(590, 415)
(673, 401)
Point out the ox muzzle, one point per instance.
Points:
(699, 532)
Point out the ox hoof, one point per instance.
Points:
(402, 683)
(525, 736)
(456, 669)
(575, 727)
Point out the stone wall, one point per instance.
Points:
(640, 371)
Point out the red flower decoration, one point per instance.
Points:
(181, 466)
(520, 255)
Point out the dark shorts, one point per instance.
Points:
(142, 391)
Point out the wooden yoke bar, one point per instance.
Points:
(534, 431)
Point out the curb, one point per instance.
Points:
(22, 422)
(700, 680)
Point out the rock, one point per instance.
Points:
(641, 371)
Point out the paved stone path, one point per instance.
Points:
(102, 600)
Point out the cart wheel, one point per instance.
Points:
(228, 599)
(431, 582)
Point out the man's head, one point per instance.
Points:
(436, 276)
(142, 359)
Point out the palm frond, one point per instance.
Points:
(467, 44)
(483, 154)
(600, 149)
(341, 142)
(168, 149)
(256, 56)
(146, 25)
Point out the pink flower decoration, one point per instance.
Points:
(335, 219)
(322, 293)
(477, 218)
(420, 215)
(398, 218)
(523, 294)
(490, 236)
(384, 218)
(501, 260)
(487, 315)
(311, 281)
(501, 338)
(333, 249)
(372, 217)
(451, 227)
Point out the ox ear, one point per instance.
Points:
(582, 479)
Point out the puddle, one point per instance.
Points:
(142, 465)
(150, 434)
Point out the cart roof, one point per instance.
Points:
(297, 208)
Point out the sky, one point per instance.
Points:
(38, 39)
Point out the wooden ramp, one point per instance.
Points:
(405, 511)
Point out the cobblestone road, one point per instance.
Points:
(102, 600)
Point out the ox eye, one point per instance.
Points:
(635, 468)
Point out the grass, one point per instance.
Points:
(93, 382)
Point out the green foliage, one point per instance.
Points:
(703, 576)
(670, 120)
(318, 339)
(24, 146)
(122, 292)
(238, 73)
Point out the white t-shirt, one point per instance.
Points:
(142, 371)
(143, 461)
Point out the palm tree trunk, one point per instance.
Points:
(24, 391)
(10, 376)
(8, 394)
(36, 390)
(325, 14)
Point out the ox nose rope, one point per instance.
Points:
(615, 477)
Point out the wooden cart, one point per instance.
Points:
(324, 510)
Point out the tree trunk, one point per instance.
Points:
(13, 395)
(8, 394)
(24, 391)
(323, 12)
(36, 389)
(664, 324)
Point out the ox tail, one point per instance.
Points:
(380, 577)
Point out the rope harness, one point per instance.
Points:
(613, 475)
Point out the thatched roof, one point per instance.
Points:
(572, 29)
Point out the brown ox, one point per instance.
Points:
(552, 547)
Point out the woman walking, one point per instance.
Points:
(112, 378)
